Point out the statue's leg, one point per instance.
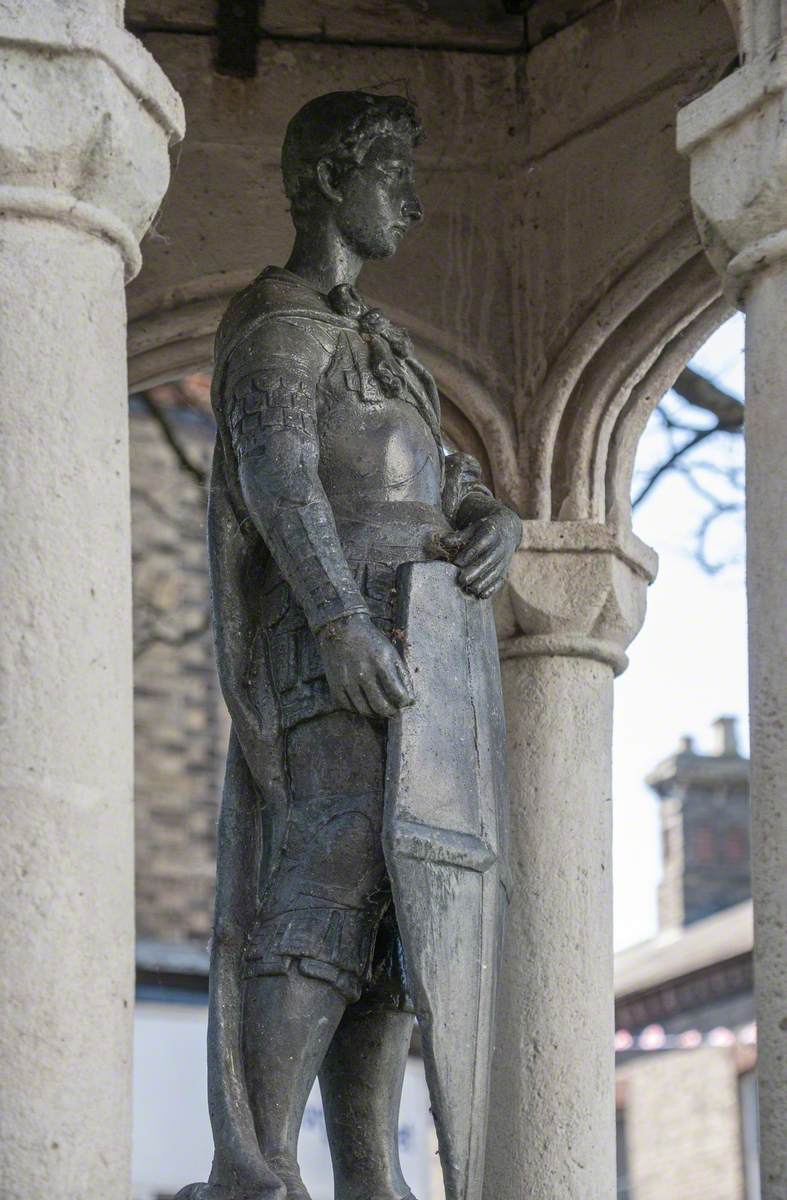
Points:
(309, 951)
(288, 1023)
(361, 1083)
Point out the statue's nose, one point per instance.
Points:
(412, 209)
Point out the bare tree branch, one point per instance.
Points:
(701, 538)
(704, 393)
(156, 411)
(699, 436)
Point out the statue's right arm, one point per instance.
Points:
(273, 426)
(274, 436)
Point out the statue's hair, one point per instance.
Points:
(340, 126)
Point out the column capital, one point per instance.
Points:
(87, 122)
(736, 139)
(576, 589)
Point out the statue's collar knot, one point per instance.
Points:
(345, 300)
(391, 360)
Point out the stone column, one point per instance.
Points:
(575, 600)
(84, 128)
(736, 137)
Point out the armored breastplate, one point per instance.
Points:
(376, 445)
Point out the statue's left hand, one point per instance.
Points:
(483, 550)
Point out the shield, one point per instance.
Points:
(444, 836)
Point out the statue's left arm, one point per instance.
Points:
(487, 531)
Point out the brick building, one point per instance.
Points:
(686, 1093)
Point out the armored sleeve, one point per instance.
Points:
(272, 423)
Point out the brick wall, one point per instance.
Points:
(180, 722)
(717, 873)
(682, 1126)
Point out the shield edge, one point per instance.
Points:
(410, 842)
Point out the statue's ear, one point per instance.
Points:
(328, 180)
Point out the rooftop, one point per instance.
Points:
(673, 953)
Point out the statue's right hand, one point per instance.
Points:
(365, 672)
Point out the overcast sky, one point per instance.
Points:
(688, 665)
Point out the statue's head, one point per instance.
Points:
(348, 159)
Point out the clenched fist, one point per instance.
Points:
(365, 672)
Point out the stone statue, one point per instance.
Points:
(361, 836)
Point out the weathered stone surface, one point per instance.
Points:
(766, 522)
(735, 140)
(575, 589)
(68, 162)
(546, 18)
(433, 23)
(540, 293)
(575, 599)
(83, 141)
(463, 24)
(191, 15)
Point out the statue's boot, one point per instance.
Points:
(220, 1191)
(233, 1184)
(288, 1023)
(254, 1182)
(361, 1083)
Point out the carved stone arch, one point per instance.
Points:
(171, 334)
(642, 400)
(739, 19)
(603, 384)
(757, 25)
(615, 372)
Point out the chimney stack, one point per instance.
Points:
(705, 828)
(725, 737)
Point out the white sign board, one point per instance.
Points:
(172, 1139)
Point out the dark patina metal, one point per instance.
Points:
(361, 839)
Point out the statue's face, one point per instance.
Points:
(378, 199)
